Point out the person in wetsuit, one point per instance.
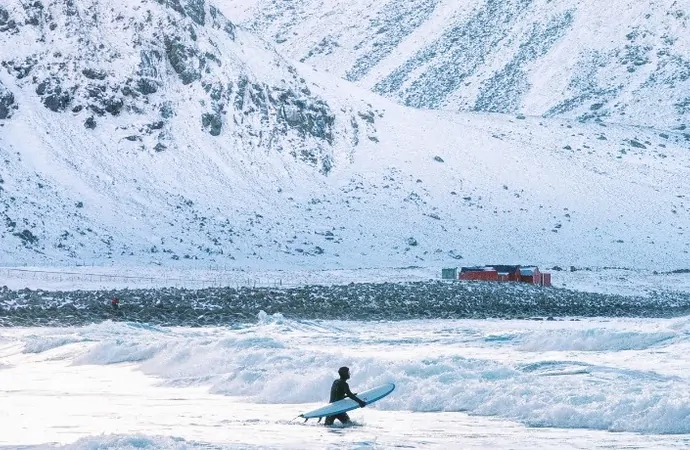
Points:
(339, 390)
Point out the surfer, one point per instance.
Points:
(339, 390)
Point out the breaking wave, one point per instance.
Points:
(597, 340)
(40, 344)
(542, 374)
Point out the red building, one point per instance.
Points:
(501, 272)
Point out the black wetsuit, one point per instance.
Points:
(339, 390)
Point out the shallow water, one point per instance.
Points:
(605, 383)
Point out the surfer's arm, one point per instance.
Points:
(354, 397)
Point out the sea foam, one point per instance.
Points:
(570, 375)
(135, 442)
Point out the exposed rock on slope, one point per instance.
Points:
(7, 103)
(620, 61)
(158, 132)
(102, 85)
(151, 61)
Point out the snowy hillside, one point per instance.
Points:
(625, 62)
(114, 116)
(142, 132)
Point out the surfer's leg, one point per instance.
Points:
(329, 420)
(344, 418)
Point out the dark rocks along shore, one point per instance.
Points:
(354, 301)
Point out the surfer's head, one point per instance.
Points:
(344, 372)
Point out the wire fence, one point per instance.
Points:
(83, 276)
(211, 278)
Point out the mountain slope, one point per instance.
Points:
(577, 59)
(101, 93)
(158, 132)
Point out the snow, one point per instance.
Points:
(525, 191)
(622, 62)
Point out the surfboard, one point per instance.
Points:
(347, 404)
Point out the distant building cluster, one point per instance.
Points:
(499, 272)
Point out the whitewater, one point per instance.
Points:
(566, 383)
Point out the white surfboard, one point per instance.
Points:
(347, 404)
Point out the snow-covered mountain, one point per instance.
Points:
(626, 62)
(141, 132)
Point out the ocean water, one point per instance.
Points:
(589, 383)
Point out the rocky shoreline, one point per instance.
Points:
(354, 301)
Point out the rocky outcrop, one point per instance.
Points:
(185, 60)
(179, 37)
(54, 96)
(7, 23)
(196, 11)
(7, 102)
(212, 123)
